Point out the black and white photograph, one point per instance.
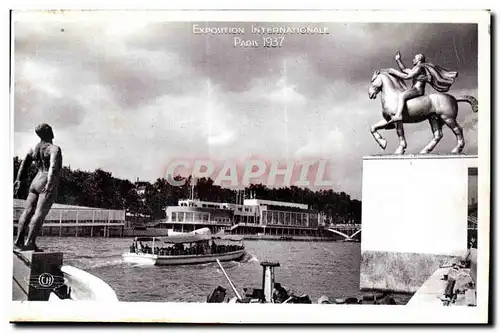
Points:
(171, 164)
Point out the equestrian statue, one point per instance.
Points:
(401, 104)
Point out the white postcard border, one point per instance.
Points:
(187, 312)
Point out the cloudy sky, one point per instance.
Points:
(132, 96)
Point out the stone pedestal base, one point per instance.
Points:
(35, 275)
(414, 218)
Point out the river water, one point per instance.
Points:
(313, 268)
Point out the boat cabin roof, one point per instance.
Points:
(190, 238)
(144, 239)
(179, 239)
(234, 238)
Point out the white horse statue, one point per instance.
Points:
(437, 108)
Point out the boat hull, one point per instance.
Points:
(153, 259)
(86, 287)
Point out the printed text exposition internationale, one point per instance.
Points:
(261, 30)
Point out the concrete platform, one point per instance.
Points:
(433, 289)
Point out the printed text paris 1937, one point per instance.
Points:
(270, 36)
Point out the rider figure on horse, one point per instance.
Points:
(422, 72)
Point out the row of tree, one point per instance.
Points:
(100, 189)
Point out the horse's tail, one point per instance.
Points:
(469, 99)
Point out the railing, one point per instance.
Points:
(212, 222)
(79, 224)
(71, 217)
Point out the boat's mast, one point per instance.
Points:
(192, 188)
(268, 280)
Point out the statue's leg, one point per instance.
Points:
(451, 122)
(402, 140)
(24, 219)
(437, 131)
(403, 97)
(376, 135)
(45, 201)
(398, 116)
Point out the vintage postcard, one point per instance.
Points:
(250, 166)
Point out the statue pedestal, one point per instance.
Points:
(35, 275)
(414, 217)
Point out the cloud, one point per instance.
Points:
(331, 144)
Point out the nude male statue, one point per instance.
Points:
(422, 72)
(43, 188)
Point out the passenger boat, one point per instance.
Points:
(185, 249)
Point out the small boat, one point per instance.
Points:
(351, 240)
(185, 249)
(271, 292)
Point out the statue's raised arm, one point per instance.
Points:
(401, 66)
